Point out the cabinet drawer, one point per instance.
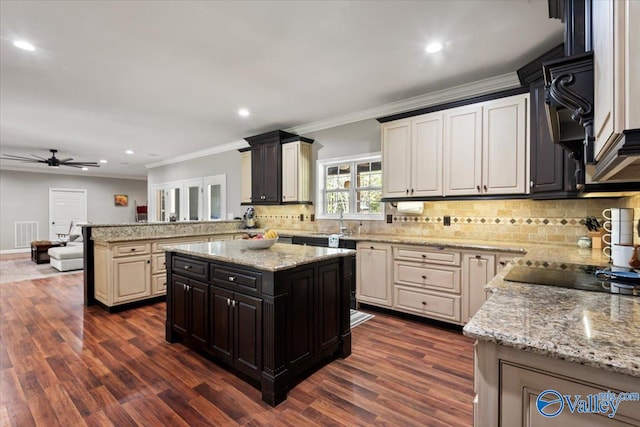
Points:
(431, 255)
(190, 267)
(159, 284)
(130, 249)
(426, 276)
(160, 245)
(158, 263)
(442, 306)
(237, 279)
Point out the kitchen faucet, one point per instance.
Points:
(343, 229)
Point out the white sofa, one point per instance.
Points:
(67, 258)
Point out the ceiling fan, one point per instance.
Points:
(52, 161)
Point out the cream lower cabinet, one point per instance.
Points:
(509, 381)
(478, 268)
(426, 282)
(373, 261)
(135, 271)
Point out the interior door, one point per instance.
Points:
(215, 199)
(193, 200)
(66, 206)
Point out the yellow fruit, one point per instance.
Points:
(271, 234)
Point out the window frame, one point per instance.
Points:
(321, 166)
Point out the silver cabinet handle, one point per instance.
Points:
(232, 278)
(186, 267)
(233, 303)
(228, 302)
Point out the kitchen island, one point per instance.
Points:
(271, 316)
(533, 338)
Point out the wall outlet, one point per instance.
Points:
(446, 220)
(312, 217)
(389, 219)
(301, 217)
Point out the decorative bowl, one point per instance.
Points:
(260, 243)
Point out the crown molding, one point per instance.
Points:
(467, 90)
(236, 145)
(70, 172)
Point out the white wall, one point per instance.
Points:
(24, 196)
(352, 139)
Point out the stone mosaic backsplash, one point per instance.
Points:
(558, 221)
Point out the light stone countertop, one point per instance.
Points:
(279, 257)
(600, 330)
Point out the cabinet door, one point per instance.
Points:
(547, 158)
(198, 299)
(519, 391)
(477, 271)
(245, 177)
(290, 171)
(396, 163)
(374, 273)
(179, 304)
(603, 73)
(221, 323)
(258, 160)
(327, 296)
(463, 151)
(504, 167)
(247, 326)
(131, 277)
(426, 156)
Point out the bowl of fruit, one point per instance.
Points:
(261, 240)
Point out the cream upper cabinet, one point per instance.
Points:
(426, 155)
(245, 176)
(486, 148)
(412, 157)
(374, 273)
(463, 151)
(296, 171)
(396, 151)
(504, 146)
(616, 42)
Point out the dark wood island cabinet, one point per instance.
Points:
(272, 316)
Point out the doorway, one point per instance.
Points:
(66, 205)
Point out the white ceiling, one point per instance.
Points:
(166, 78)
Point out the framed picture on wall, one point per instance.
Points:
(121, 200)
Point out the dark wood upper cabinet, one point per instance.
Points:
(266, 167)
(552, 171)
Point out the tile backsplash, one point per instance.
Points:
(557, 221)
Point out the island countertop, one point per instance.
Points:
(595, 329)
(279, 257)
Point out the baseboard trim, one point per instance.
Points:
(15, 251)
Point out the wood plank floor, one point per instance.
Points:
(63, 364)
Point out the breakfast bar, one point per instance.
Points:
(270, 315)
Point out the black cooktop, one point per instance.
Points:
(572, 276)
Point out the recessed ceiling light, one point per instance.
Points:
(243, 112)
(103, 161)
(24, 45)
(434, 47)
(85, 169)
(129, 151)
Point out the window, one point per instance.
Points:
(351, 186)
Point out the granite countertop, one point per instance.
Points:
(279, 257)
(129, 224)
(591, 328)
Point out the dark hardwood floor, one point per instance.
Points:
(63, 364)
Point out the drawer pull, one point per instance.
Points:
(503, 263)
(232, 278)
(424, 303)
(424, 256)
(187, 267)
(133, 249)
(164, 265)
(478, 256)
(148, 261)
(371, 247)
(424, 277)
